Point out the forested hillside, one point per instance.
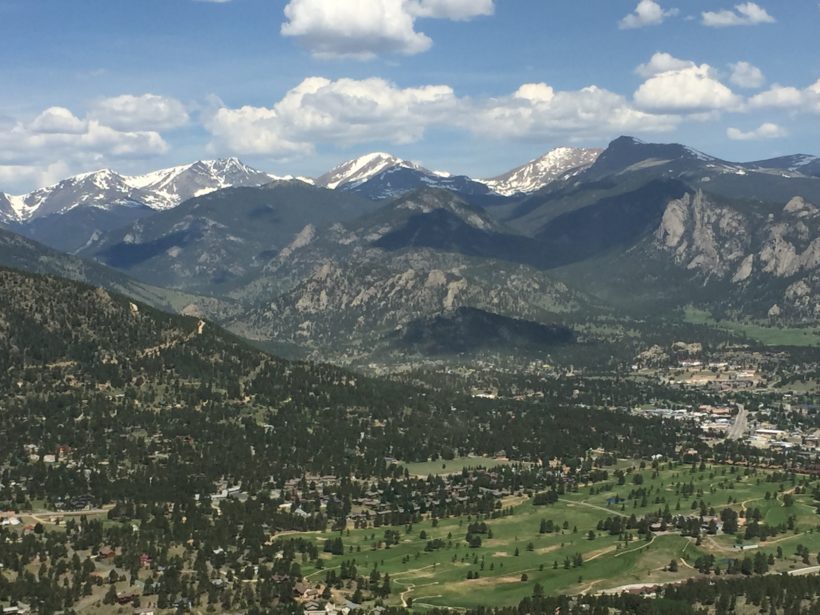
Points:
(114, 408)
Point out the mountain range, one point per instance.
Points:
(67, 214)
(380, 256)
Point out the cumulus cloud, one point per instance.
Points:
(363, 29)
(57, 141)
(143, 112)
(32, 175)
(349, 111)
(691, 89)
(745, 14)
(745, 75)
(346, 111)
(538, 112)
(662, 62)
(58, 120)
(768, 130)
(788, 98)
(24, 144)
(647, 13)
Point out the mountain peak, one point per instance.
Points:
(660, 150)
(625, 140)
(231, 163)
(361, 169)
(160, 189)
(625, 152)
(556, 164)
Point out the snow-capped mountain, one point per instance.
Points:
(804, 164)
(11, 208)
(559, 163)
(380, 176)
(169, 187)
(359, 170)
(100, 189)
(107, 189)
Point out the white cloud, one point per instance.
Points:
(788, 98)
(345, 111)
(57, 141)
(457, 10)
(58, 120)
(647, 13)
(694, 89)
(252, 130)
(348, 111)
(745, 14)
(25, 176)
(767, 130)
(538, 112)
(21, 144)
(778, 96)
(745, 75)
(363, 29)
(662, 62)
(535, 93)
(144, 112)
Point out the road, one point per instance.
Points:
(804, 571)
(738, 428)
(625, 588)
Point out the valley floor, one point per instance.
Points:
(509, 564)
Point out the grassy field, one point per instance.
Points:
(439, 578)
(443, 467)
(770, 336)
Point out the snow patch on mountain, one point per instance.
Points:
(557, 164)
(698, 155)
(360, 169)
(802, 160)
(159, 190)
(13, 207)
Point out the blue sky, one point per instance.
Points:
(470, 86)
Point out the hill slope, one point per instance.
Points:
(468, 329)
(18, 252)
(212, 242)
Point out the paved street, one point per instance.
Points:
(738, 428)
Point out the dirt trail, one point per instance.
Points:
(643, 546)
(45, 516)
(200, 327)
(589, 587)
(788, 492)
(411, 587)
(601, 552)
(588, 505)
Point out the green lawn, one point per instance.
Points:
(765, 334)
(440, 578)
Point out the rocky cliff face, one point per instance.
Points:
(749, 249)
(703, 236)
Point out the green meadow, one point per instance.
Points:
(808, 335)
(515, 557)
